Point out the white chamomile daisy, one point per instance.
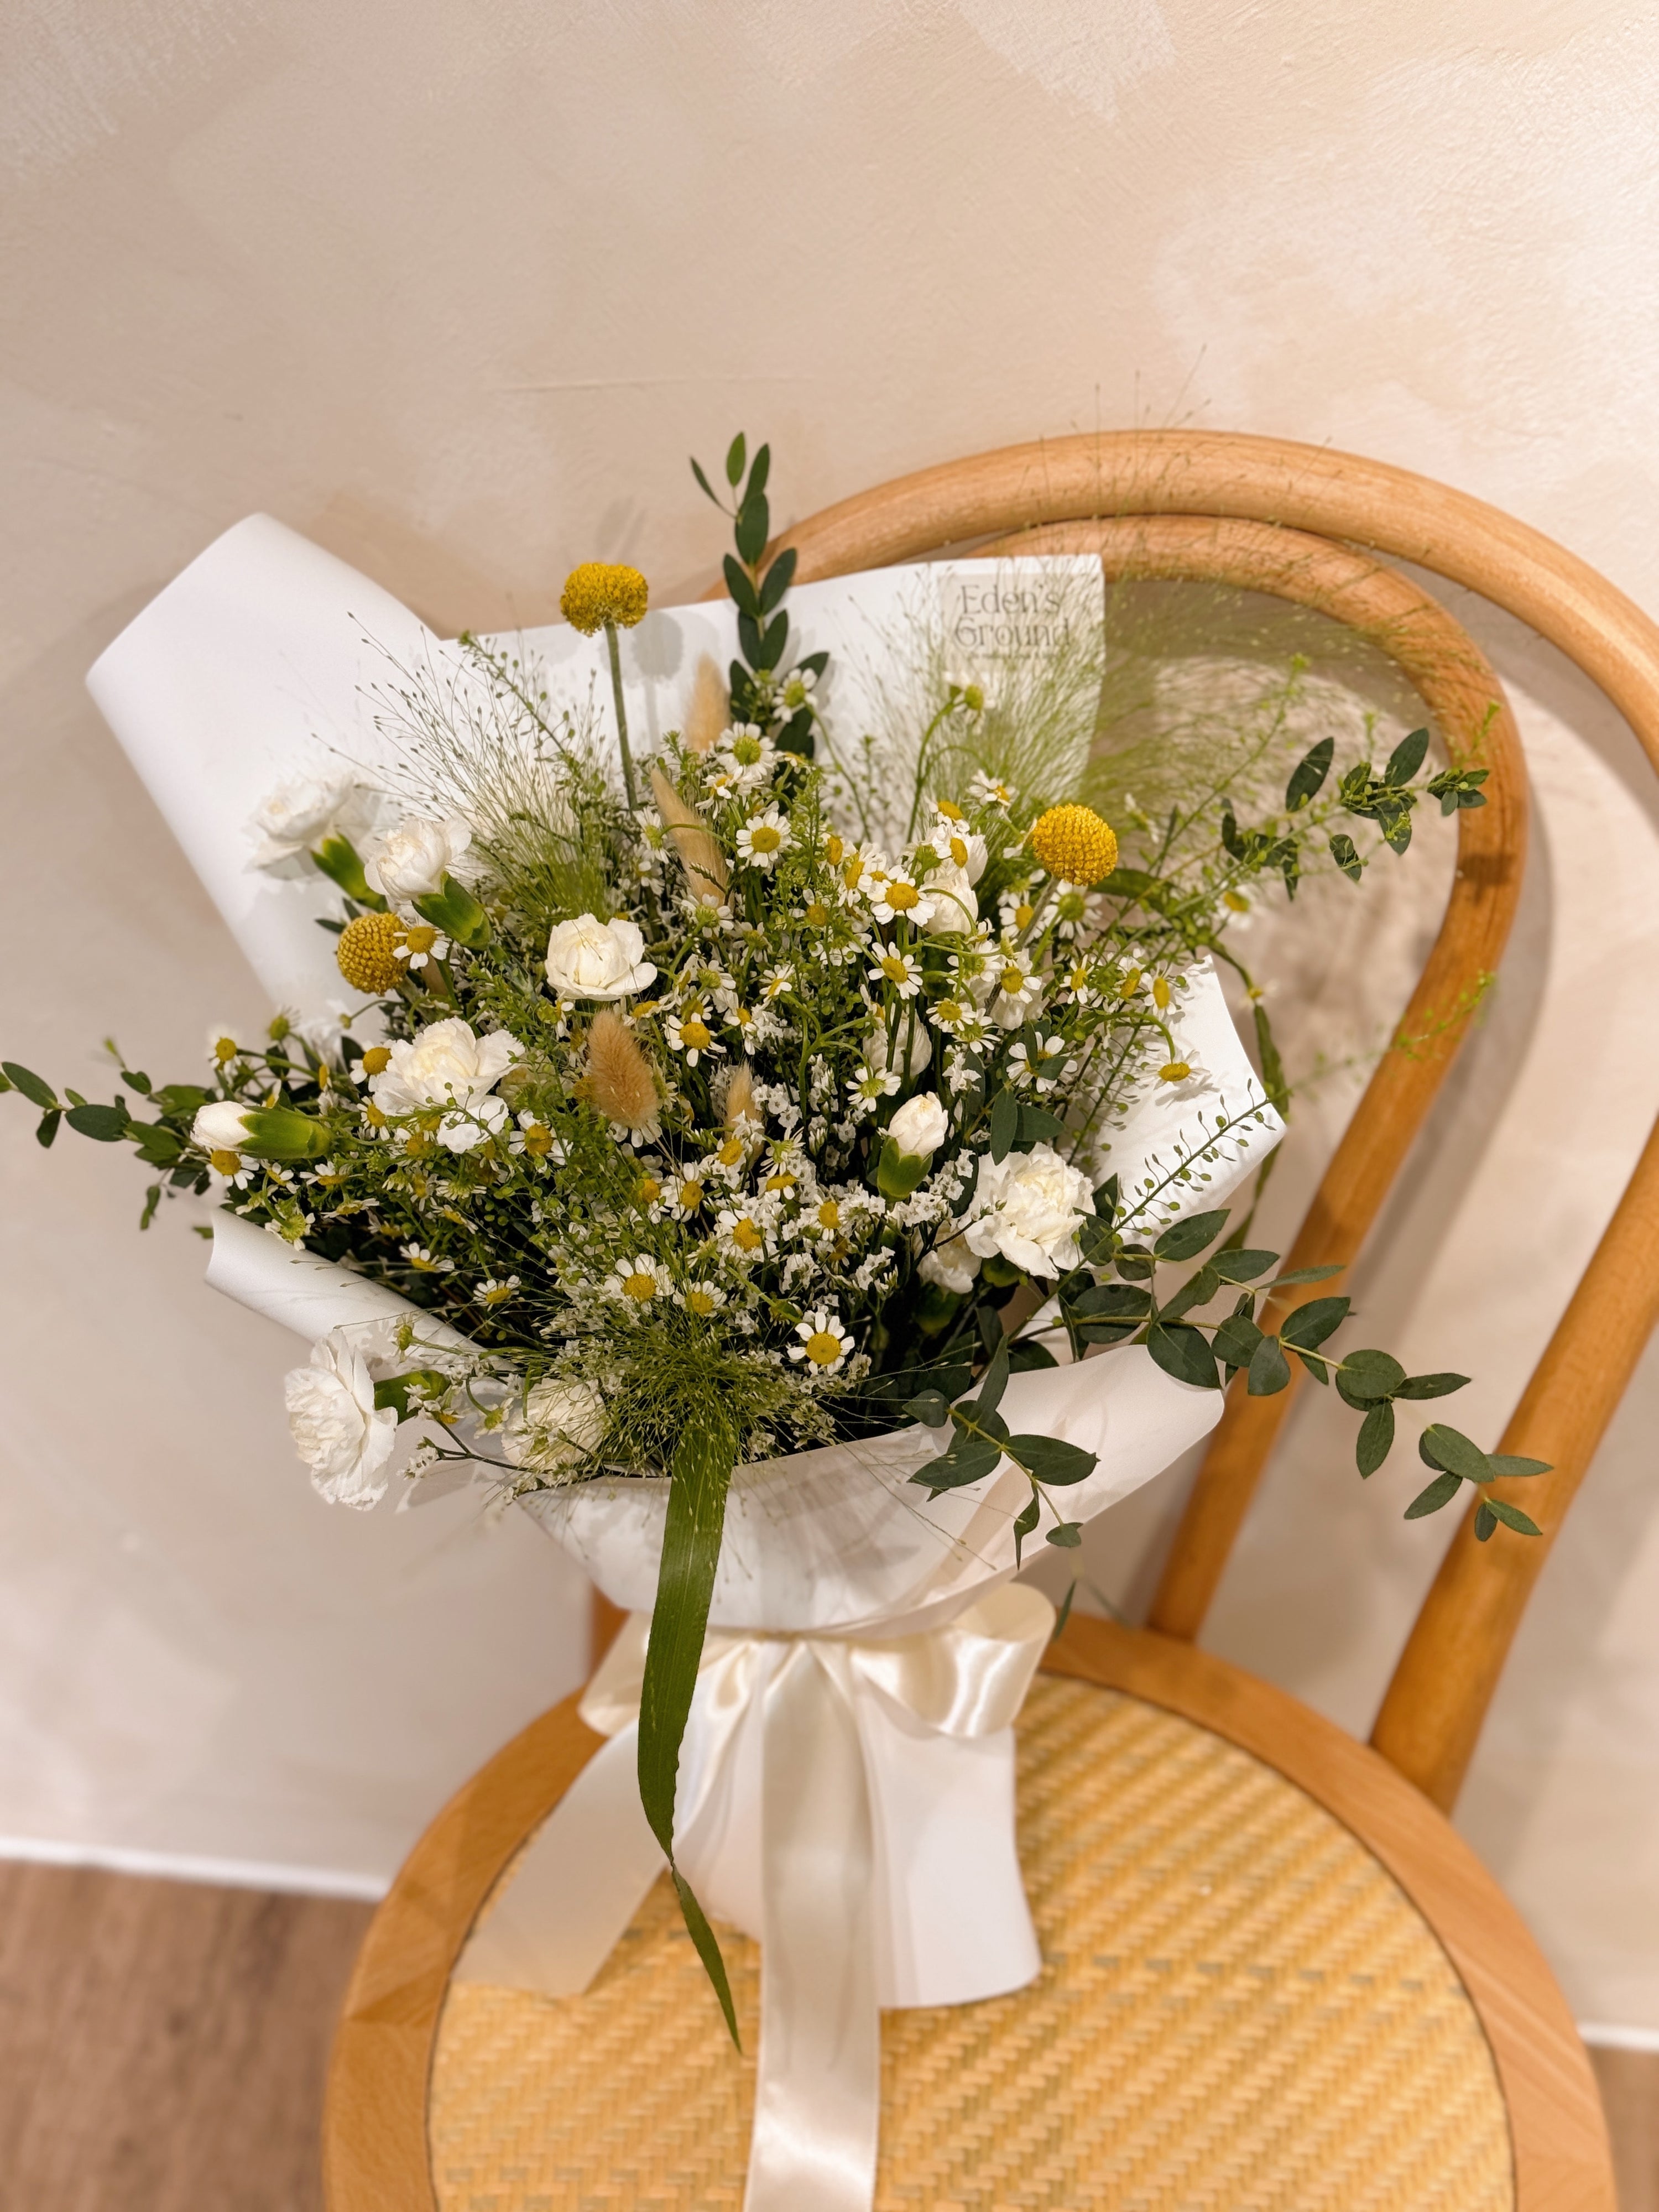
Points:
(895, 897)
(824, 1345)
(496, 1291)
(420, 1256)
(639, 1280)
(701, 1299)
(897, 972)
(689, 1032)
(991, 791)
(746, 756)
(763, 837)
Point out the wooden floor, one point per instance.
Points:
(162, 2048)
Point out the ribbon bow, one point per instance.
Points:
(847, 1800)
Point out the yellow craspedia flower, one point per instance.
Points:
(600, 592)
(1074, 844)
(366, 954)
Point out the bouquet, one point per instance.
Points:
(762, 1119)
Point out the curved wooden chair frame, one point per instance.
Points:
(1238, 510)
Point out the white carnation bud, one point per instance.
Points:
(919, 1125)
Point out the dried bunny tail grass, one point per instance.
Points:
(710, 709)
(741, 1103)
(702, 858)
(619, 1080)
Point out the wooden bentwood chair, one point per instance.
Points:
(1275, 1976)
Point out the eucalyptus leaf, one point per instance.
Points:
(1184, 1352)
(1185, 1240)
(1068, 1534)
(37, 1091)
(1309, 1325)
(1005, 1124)
(1242, 1265)
(1511, 1516)
(1309, 775)
(1406, 758)
(1430, 1386)
(1507, 1465)
(1366, 1375)
(1485, 1521)
(1269, 1370)
(737, 452)
(107, 1124)
(1376, 1438)
(1025, 1521)
(1441, 1491)
(1052, 1460)
(1440, 1446)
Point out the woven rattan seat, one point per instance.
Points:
(1239, 2008)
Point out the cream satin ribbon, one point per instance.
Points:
(848, 1800)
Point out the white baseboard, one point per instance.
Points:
(184, 1866)
(1619, 2038)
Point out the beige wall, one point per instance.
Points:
(453, 290)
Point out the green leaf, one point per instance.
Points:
(1430, 1386)
(1067, 1534)
(180, 1097)
(702, 1935)
(1196, 1291)
(735, 453)
(1485, 1522)
(968, 1459)
(995, 1382)
(1050, 1460)
(158, 1145)
(777, 580)
(152, 1200)
(700, 1476)
(1345, 853)
(1273, 1079)
(139, 1081)
(742, 590)
(1364, 1376)
(1511, 1516)
(1022, 1359)
(26, 1080)
(1441, 1491)
(770, 651)
(106, 1124)
(1376, 1438)
(1114, 1301)
(1269, 1370)
(1065, 1612)
(1025, 1521)
(759, 471)
(1309, 1325)
(1439, 1446)
(1235, 1341)
(1005, 1124)
(1309, 775)
(1406, 758)
(1037, 1126)
(696, 470)
(1308, 1274)
(1184, 1352)
(1506, 1465)
(1185, 1240)
(45, 1129)
(1241, 1266)
(930, 1409)
(754, 523)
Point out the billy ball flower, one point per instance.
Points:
(824, 1345)
(1075, 843)
(367, 953)
(600, 592)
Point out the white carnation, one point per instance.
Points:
(338, 1430)
(1028, 1207)
(219, 1126)
(915, 1054)
(921, 1124)
(952, 1265)
(588, 958)
(956, 902)
(555, 1424)
(448, 1065)
(412, 861)
(300, 814)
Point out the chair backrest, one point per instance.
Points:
(1263, 513)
